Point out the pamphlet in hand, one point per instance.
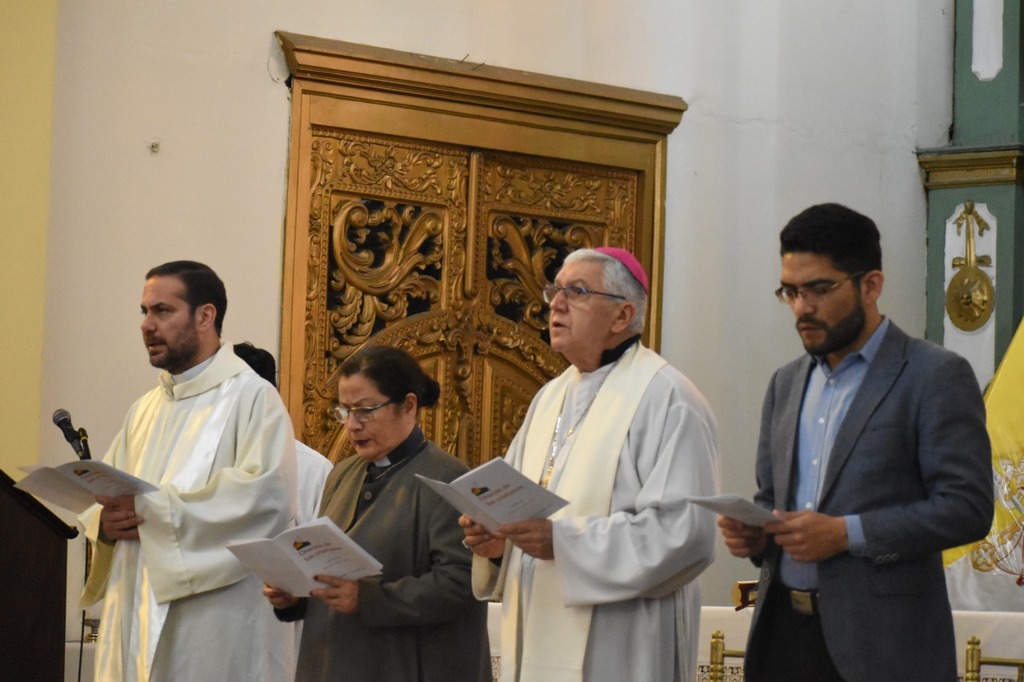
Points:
(736, 507)
(291, 559)
(494, 493)
(75, 485)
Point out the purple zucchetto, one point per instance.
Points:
(629, 260)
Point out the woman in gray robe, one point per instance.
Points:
(418, 620)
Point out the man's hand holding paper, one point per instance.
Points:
(533, 537)
(742, 540)
(118, 519)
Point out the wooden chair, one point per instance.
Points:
(973, 662)
(718, 655)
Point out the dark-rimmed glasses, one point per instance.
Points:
(813, 293)
(360, 414)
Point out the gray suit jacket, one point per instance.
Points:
(912, 458)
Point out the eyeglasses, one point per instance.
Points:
(360, 414)
(571, 293)
(812, 293)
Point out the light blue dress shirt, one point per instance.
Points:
(827, 399)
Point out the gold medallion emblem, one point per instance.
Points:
(970, 297)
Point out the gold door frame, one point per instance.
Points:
(501, 153)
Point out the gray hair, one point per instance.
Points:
(617, 280)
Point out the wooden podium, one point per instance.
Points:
(33, 574)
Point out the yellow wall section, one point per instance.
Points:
(28, 35)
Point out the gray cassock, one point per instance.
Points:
(418, 621)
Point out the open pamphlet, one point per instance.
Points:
(494, 493)
(735, 507)
(289, 560)
(75, 485)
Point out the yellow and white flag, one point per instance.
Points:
(988, 575)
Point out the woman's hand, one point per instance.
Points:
(342, 595)
(279, 599)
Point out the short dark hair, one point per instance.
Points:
(849, 238)
(260, 360)
(395, 373)
(202, 286)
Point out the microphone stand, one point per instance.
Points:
(84, 439)
(84, 454)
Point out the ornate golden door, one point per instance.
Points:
(404, 229)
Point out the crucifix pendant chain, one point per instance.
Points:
(554, 438)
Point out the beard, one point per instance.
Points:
(179, 353)
(840, 335)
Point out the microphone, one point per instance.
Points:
(78, 438)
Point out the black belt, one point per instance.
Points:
(804, 602)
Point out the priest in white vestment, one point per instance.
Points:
(606, 588)
(217, 442)
(311, 468)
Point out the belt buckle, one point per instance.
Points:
(803, 602)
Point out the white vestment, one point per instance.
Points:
(632, 570)
(312, 469)
(312, 473)
(177, 604)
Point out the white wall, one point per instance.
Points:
(791, 103)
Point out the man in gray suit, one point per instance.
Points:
(874, 455)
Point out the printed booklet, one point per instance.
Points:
(291, 559)
(735, 507)
(75, 485)
(494, 493)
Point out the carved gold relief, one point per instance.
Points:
(379, 211)
(545, 189)
(397, 256)
(523, 252)
(538, 213)
(970, 296)
(393, 260)
(429, 203)
(384, 260)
